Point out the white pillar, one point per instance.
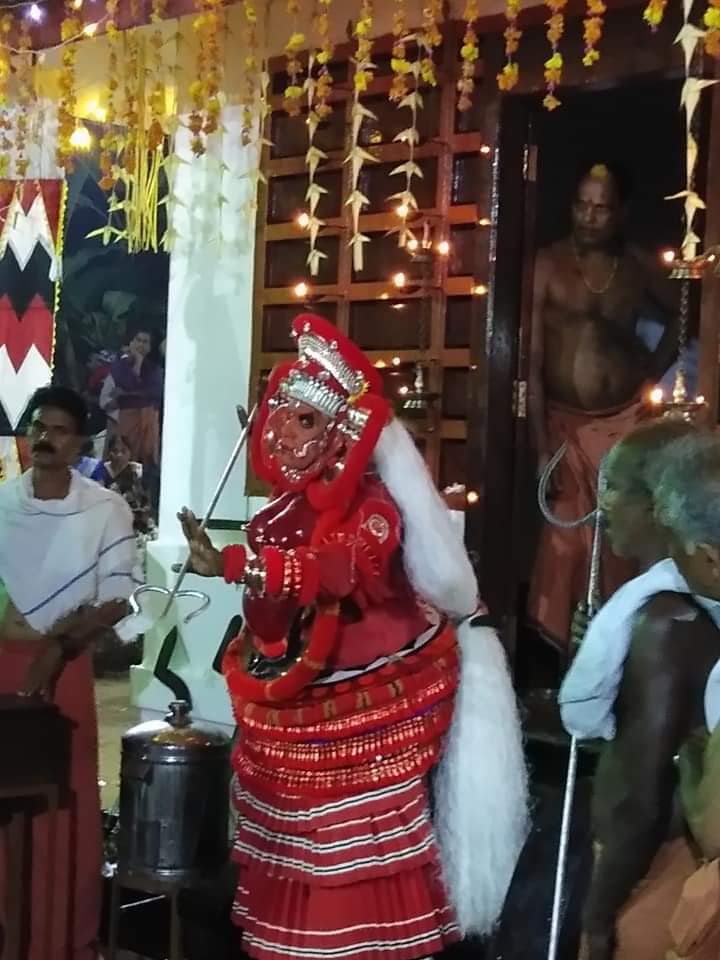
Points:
(208, 359)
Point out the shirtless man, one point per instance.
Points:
(587, 371)
(664, 701)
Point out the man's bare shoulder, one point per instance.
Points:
(664, 627)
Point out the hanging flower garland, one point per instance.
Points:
(357, 155)
(554, 66)
(251, 69)
(711, 20)
(469, 53)
(6, 145)
(24, 80)
(131, 113)
(293, 90)
(592, 30)
(205, 89)
(430, 38)
(157, 74)
(110, 141)
(70, 27)
(654, 13)
(323, 81)
(407, 203)
(399, 62)
(508, 77)
(313, 157)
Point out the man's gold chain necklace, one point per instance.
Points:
(611, 277)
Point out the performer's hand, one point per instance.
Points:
(43, 672)
(205, 560)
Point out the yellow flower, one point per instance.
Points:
(361, 80)
(469, 51)
(296, 42)
(323, 57)
(712, 18)
(591, 58)
(293, 92)
(508, 78)
(363, 27)
(551, 102)
(400, 66)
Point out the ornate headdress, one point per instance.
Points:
(333, 376)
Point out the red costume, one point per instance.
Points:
(343, 682)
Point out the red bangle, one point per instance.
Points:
(310, 578)
(234, 558)
(274, 560)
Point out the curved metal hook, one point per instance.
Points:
(150, 588)
(542, 497)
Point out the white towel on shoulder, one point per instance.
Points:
(587, 696)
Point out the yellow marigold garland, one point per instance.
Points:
(399, 62)
(711, 20)
(592, 30)
(509, 75)
(407, 203)
(252, 68)
(323, 81)
(654, 13)
(205, 88)
(294, 89)
(110, 141)
(6, 145)
(24, 78)
(554, 65)
(430, 38)
(131, 113)
(70, 27)
(469, 53)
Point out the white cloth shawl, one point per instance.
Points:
(587, 696)
(56, 555)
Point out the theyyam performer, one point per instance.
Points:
(367, 685)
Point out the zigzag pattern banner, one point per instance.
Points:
(30, 228)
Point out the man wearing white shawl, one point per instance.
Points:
(654, 651)
(67, 566)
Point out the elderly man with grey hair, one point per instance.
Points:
(647, 679)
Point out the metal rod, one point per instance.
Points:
(246, 422)
(571, 778)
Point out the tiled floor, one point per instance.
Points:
(115, 716)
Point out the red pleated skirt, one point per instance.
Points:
(354, 877)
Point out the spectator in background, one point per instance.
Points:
(124, 476)
(137, 389)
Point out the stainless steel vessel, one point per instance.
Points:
(174, 798)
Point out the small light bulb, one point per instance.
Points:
(35, 13)
(402, 210)
(472, 496)
(399, 280)
(301, 290)
(403, 391)
(90, 29)
(656, 396)
(303, 220)
(479, 290)
(700, 399)
(398, 306)
(484, 222)
(485, 149)
(412, 244)
(380, 364)
(385, 296)
(77, 4)
(668, 256)
(443, 248)
(81, 138)
(396, 361)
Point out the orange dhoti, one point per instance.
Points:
(561, 567)
(75, 850)
(140, 426)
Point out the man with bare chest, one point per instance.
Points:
(588, 371)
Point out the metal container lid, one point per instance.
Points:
(176, 733)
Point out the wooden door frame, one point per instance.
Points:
(494, 451)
